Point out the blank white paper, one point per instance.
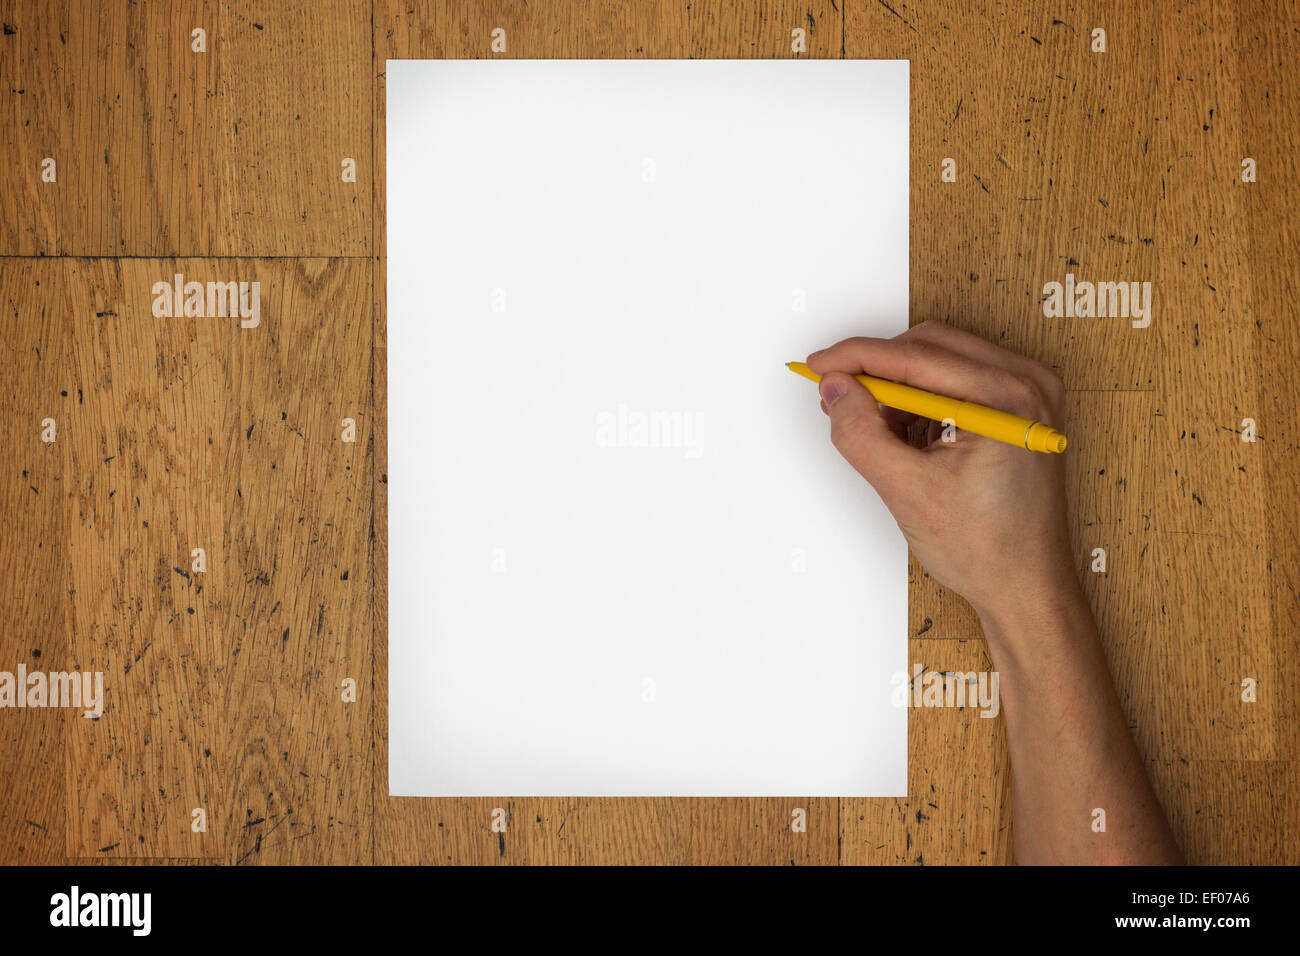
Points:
(624, 557)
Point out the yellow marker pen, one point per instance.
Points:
(977, 419)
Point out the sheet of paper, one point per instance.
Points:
(624, 558)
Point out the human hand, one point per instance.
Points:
(985, 518)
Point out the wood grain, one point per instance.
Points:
(164, 151)
(34, 386)
(224, 689)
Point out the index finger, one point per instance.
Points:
(927, 365)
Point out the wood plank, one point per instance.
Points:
(35, 385)
(33, 127)
(1208, 342)
(297, 780)
(1269, 103)
(224, 687)
(151, 451)
(608, 831)
(1213, 626)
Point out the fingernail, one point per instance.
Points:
(832, 390)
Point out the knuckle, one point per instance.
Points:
(1025, 393)
(1054, 384)
(851, 340)
(926, 331)
(921, 355)
(827, 358)
(921, 352)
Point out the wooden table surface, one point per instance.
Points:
(224, 688)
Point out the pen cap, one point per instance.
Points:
(1044, 438)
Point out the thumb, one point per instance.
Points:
(861, 434)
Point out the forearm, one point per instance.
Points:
(1071, 750)
(989, 521)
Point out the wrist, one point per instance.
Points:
(1046, 616)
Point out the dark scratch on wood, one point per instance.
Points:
(257, 847)
(897, 14)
